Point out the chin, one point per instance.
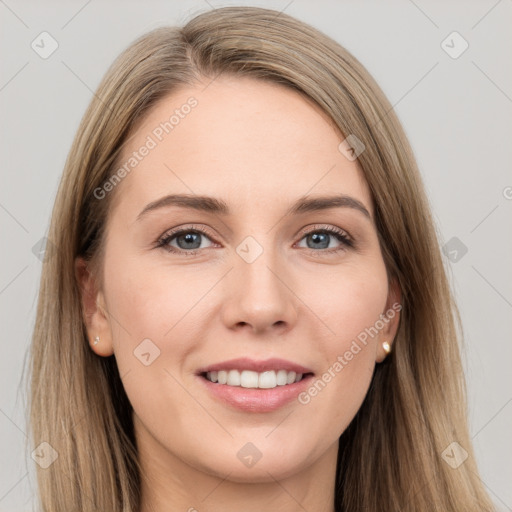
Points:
(267, 469)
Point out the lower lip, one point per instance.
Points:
(256, 399)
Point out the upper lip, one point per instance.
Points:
(245, 363)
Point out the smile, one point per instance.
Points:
(251, 379)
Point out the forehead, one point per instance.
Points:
(246, 139)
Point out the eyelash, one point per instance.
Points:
(339, 234)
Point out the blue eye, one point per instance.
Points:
(188, 240)
(320, 239)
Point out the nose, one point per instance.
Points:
(259, 296)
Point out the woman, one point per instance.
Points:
(248, 306)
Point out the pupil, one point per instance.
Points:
(317, 238)
(189, 238)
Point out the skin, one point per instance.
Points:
(259, 147)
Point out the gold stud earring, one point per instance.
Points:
(96, 340)
(387, 347)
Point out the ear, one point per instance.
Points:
(94, 310)
(391, 319)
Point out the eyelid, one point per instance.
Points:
(171, 233)
(186, 228)
(324, 227)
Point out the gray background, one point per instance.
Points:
(456, 111)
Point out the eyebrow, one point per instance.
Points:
(218, 206)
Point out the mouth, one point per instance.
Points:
(250, 373)
(254, 380)
(255, 386)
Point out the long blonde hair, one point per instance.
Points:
(390, 457)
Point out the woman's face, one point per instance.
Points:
(254, 274)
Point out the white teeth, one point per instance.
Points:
(250, 379)
(282, 377)
(267, 380)
(233, 378)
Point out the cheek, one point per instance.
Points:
(158, 322)
(150, 302)
(350, 305)
(350, 302)
(149, 309)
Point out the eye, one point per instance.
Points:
(321, 237)
(188, 240)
